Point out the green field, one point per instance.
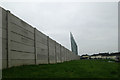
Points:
(71, 69)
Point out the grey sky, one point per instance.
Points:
(94, 24)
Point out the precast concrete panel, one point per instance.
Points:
(16, 21)
(20, 42)
(15, 46)
(77, 57)
(18, 55)
(52, 54)
(4, 38)
(18, 62)
(71, 55)
(21, 39)
(41, 48)
(67, 56)
(58, 53)
(4, 17)
(62, 54)
(21, 31)
(41, 38)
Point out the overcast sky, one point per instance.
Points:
(94, 25)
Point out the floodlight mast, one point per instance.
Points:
(73, 44)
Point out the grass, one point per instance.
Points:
(71, 69)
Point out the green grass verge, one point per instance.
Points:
(71, 69)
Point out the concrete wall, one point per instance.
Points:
(0, 43)
(58, 54)
(52, 51)
(20, 42)
(62, 54)
(4, 38)
(24, 45)
(67, 55)
(41, 47)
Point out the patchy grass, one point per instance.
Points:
(71, 69)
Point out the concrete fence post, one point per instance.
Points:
(1, 43)
(48, 48)
(35, 46)
(8, 39)
(60, 54)
(55, 53)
